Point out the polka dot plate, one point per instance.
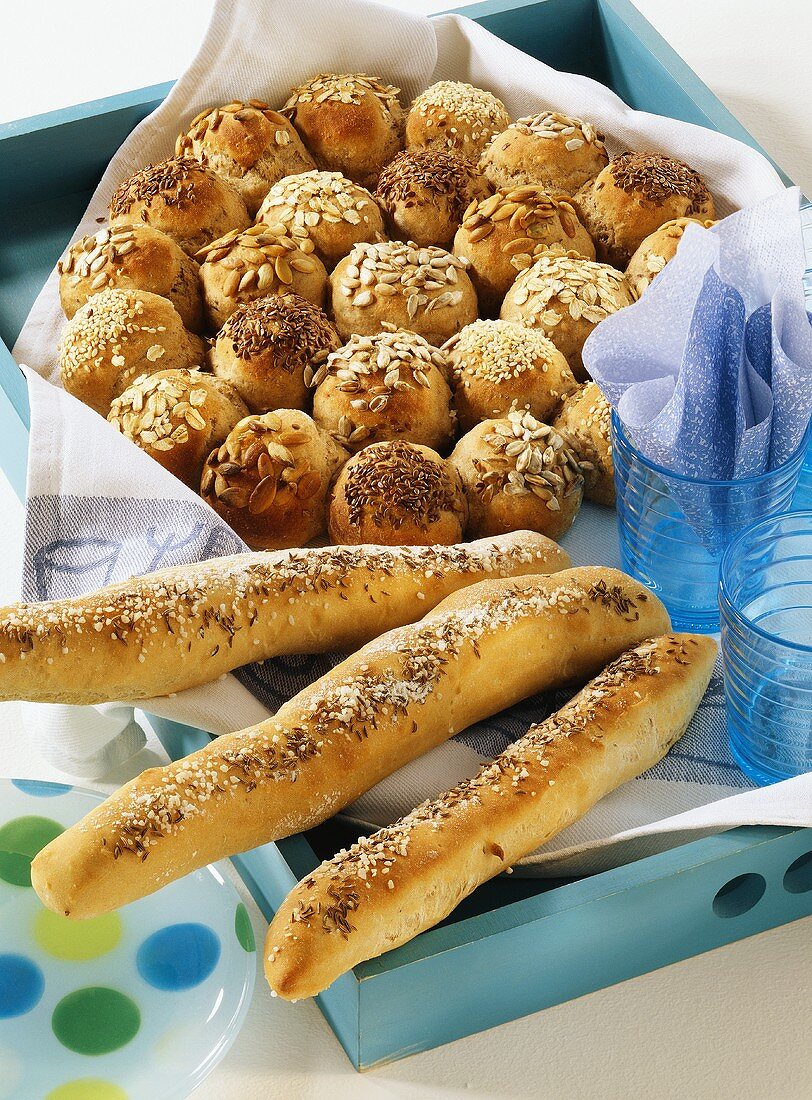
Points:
(139, 1003)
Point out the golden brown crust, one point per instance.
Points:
(518, 473)
(246, 265)
(398, 494)
(115, 337)
(586, 419)
(270, 349)
(269, 479)
(384, 387)
(177, 416)
(248, 145)
(658, 249)
(131, 257)
(425, 290)
(565, 296)
(425, 194)
(351, 122)
(187, 625)
(633, 196)
(409, 690)
(506, 232)
(326, 207)
(180, 196)
(406, 878)
(554, 151)
(457, 116)
(499, 365)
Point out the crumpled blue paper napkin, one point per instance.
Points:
(711, 371)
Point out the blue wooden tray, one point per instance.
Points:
(546, 941)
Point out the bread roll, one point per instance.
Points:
(248, 145)
(585, 419)
(406, 878)
(633, 195)
(500, 365)
(190, 203)
(426, 193)
(326, 208)
(177, 416)
(551, 150)
(657, 250)
(409, 690)
(131, 257)
(185, 626)
(117, 336)
(504, 233)
(352, 123)
(565, 296)
(456, 116)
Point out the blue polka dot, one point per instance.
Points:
(40, 789)
(21, 985)
(179, 956)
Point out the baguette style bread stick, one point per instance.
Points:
(406, 878)
(482, 649)
(185, 626)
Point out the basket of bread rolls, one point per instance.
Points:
(354, 325)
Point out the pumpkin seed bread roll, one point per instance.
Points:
(565, 296)
(351, 122)
(248, 145)
(117, 336)
(425, 290)
(326, 208)
(271, 350)
(399, 494)
(131, 257)
(477, 652)
(426, 193)
(246, 265)
(518, 474)
(384, 387)
(504, 233)
(455, 116)
(551, 150)
(403, 879)
(186, 626)
(634, 195)
(181, 197)
(177, 416)
(269, 480)
(497, 366)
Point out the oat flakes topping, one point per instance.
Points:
(561, 283)
(298, 203)
(343, 88)
(426, 276)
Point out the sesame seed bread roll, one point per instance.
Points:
(477, 652)
(186, 626)
(406, 878)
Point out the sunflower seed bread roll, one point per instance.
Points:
(480, 650)
(187, 625)
(406, 878)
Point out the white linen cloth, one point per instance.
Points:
(99, 509)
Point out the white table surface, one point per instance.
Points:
(735, 1022)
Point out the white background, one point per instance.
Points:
(736, 1022)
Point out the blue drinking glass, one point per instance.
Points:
(765, 598)
(673, 529)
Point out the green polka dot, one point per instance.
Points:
(95, 1020)
(89, 1088)
(242, 926)
(76, 940)
(20, 840)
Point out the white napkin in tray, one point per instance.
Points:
(99, 509)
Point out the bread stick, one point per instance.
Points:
(185, 626)
(405, 878)
(482, 649)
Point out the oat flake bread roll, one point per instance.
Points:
(405, 878)
(185, 626)
(479, 651)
